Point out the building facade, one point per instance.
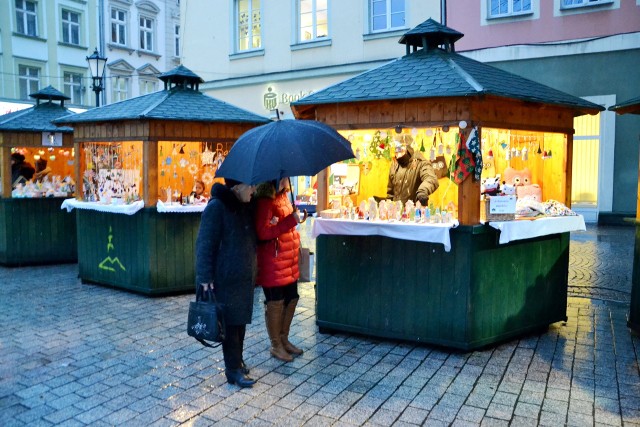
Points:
(261, 55)
(46, 42)
(588, 48)
(141, 39)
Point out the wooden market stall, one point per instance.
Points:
(475, 285)
(632, 106)
(33, 229)
(139, 162)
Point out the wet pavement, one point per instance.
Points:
(73, 354)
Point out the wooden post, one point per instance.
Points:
(323, 190)
(77, 160)
(568, 168)
(469, 195)
(5, 170)
(150, 172)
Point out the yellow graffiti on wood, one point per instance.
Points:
(109, 262)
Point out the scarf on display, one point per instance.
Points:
(473, 144)
(465, 162)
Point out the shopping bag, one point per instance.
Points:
(305, 265)
(206, 318)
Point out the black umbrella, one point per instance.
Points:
(284, 148)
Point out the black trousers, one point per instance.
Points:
(279, 293)
(233, 345)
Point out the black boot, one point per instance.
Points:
(243, 368)
(235, 376)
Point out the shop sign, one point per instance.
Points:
(52, 139)
(272, 99)
(502, 204)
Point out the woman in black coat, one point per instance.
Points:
(226, 262)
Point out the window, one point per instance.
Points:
(146, 34)
(386, 14)
(73, 87)
(28, 80)
(148, 86)
(26, 18)
(581, 3)
(313, 19)
(120, 90)
(119, 26)
(500, 8)
(70, 27)
(176, 47)
(248, 22)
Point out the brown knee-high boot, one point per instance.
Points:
(287, 318)
(273, 317)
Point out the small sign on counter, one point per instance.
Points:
(502, 205)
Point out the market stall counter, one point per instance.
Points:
(145, 168)
(632, 106)
(478, 293)
(501, 149)
(36, 170)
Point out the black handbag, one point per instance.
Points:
(206, 318)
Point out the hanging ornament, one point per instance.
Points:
(507, 154)
(422, 145)
(549, 154)
(193, 169)
(544, 155)
(432, 154)
(167, 161)
(448, 149)
(207, 156)
(525, 154)
(539, 150)
(514, 152)
(440, 148)
(490, 155)
(183, 163)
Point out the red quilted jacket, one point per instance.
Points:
(278, 244)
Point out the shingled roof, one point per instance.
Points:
(180, 100)
(631, 106)
(435, 72)
(39, 118)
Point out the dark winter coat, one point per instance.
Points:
(226, 253)
(278, 244)
(411, 178)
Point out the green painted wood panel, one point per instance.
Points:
(634, 307)
(148, 252)
(478, 294)
(36, 231)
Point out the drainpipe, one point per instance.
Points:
(443, 12)
(103, 46)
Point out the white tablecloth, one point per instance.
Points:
(433, 233)
(70, 204)
(526, 229)
(177, 208)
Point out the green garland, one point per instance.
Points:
(380, 147)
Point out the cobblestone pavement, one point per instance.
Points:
(74, 354)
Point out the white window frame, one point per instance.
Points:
(147, 86)
(120, 87)
(73, 87)
(387, 14)
(176, 40)
(314, 21)
(577, 4)
(28, 80)
(118, 24)
(252, 16)
(146, 30)
(70, 28)
(26, 18)
(510, 9)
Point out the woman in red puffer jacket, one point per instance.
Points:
(278, 251)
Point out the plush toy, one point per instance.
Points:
(507, 189)
(490, 186)
(521, 180)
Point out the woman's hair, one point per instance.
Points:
(41, 164)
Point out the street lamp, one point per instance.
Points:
(96, 66)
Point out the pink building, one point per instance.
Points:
(588, 48)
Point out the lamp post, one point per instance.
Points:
(96, 66)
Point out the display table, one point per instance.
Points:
(479, 293)
(136, 248)
(433, 233)
(35, 231)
